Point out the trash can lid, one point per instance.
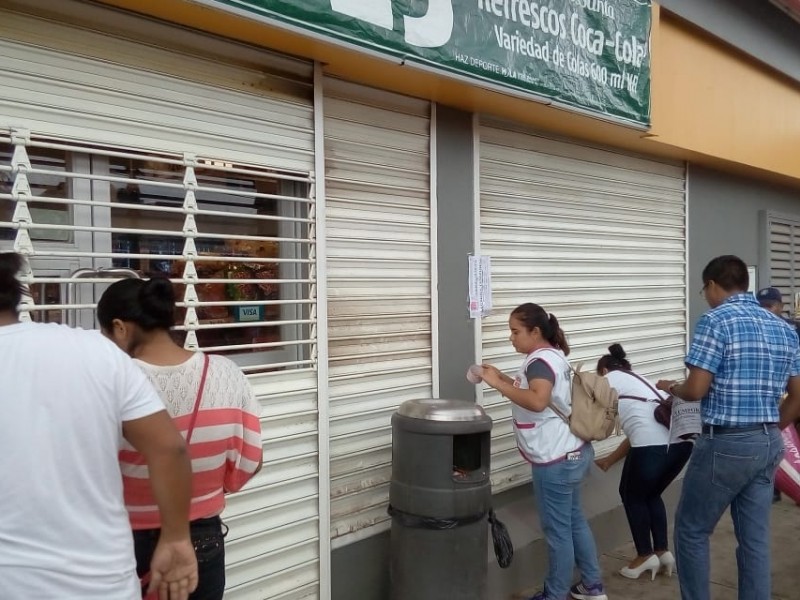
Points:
(437, 409)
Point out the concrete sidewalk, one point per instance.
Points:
(785, 564)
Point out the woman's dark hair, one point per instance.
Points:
(532, 315)
(11, 288)
(615, 360)
(150, 304)
(729, 272)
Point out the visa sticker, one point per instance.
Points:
(249, 313)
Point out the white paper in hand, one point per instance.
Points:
(685, 420)
(474, 374)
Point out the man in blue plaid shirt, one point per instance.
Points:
(741, 361)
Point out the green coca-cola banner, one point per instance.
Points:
(588, 54)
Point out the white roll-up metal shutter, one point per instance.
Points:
(783, 243)
(595, 236)
(209, 132)
(67, 81)
(379, 287)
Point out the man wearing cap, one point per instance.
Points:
(741, 362)
(772, 299)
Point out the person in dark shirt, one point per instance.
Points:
(772, 299)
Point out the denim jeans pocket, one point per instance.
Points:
(572, 472)
(734, 471)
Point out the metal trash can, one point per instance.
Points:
(439, 499)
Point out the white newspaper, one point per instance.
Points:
(480, 286)
(685, 420)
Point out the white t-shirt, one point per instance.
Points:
(64, 532)
(636, 416)
(543, 437)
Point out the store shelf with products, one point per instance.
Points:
(97, 212)
(217, 260)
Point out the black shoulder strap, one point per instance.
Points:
(639, 398)
(658, 397)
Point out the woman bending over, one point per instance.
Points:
(651, 464)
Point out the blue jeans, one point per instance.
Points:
(569, 538)
(735, 469)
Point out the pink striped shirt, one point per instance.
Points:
(225, 447)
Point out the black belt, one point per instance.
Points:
(196, 527)
(723, 429)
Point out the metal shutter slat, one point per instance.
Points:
(595, 236)
(379, 287)
(209, 98)
(783, 237)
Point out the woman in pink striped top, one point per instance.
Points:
(211, 403)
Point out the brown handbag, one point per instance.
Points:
(663, 410)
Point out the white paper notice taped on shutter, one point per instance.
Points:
(480, 286)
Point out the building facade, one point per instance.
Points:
(317, 201)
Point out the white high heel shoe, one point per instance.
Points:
(667, 562)
(652, 564)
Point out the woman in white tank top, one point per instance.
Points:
(559, 460)
(651, 464)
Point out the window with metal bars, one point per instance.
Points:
(237, 241)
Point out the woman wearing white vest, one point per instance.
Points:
(559, 459)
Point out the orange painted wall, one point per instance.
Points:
(710, 100)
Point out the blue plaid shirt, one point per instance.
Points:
(752, 353)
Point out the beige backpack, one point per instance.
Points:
(595, 406)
